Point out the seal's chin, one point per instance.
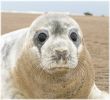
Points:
(58, 69)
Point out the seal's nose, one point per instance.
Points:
(61, 54)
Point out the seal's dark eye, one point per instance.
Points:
(42, 37)
(73, 36)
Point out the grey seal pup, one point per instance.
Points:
(49, 60)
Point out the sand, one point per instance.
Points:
(96, 35)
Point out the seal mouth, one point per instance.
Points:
(59, 70)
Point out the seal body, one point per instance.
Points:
(47, 60)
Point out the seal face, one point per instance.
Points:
(57, 41)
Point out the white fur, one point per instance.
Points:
(12, 42)
(98, 94)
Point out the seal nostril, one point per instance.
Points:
(61, 54)
(64, 52)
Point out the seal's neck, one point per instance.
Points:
(36, 83)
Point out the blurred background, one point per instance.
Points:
(92, 16)
(77, 7)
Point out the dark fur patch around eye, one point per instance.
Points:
(74, 36)
(40, 38)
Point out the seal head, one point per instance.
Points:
(56, 41)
